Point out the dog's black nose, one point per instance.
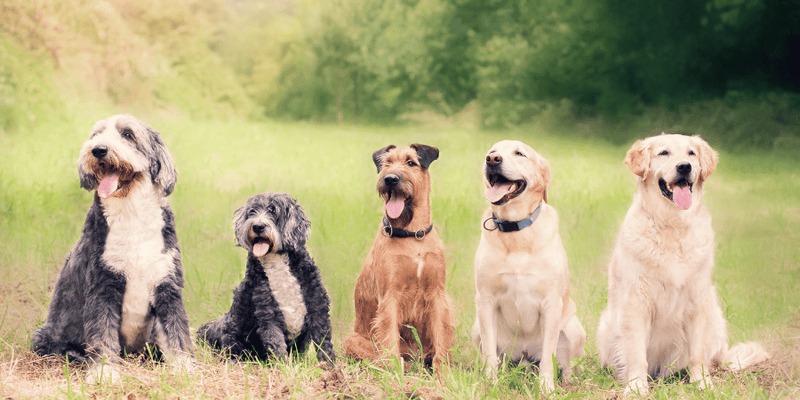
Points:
(258, 229)
(99, 151)
(391, 180)
(683, 168)
(493, 159)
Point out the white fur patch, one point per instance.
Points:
(134, 247)
(286, 291)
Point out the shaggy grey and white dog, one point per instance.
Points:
(281, 305)
(121, 285)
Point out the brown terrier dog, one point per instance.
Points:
(403, 280)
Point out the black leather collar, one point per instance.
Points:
(513, 226)
(402, 233)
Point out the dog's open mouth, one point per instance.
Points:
(501, 190)
(678, 192)
(115, 179)
(395, 205)
(261, 246)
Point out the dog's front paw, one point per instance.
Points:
(441, 366)
(703, 380)
(103, 372)
(490, 369)
(546, 384)
(637, 386)
(278, 351)
(183, 362)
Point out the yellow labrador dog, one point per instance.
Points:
(663, 314)
(524, 312)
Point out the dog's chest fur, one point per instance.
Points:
(286, 291)
(519, 295)
(135, 248)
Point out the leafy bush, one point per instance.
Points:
(144, 55)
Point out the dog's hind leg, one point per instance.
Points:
(44, 342)
(570, 345)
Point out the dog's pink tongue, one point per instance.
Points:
(394, 208)
(496, 192)
(260, 248)
(682, 197)
(107, 186)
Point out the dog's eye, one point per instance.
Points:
(127, 134)
(271, 209)
(411, 163)
(251, 213)
(663, 153)
(519, 153)
(691, 152)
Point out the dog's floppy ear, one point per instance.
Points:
(238, 226)
(162, 166)
(377, 157)
(638, 158)
(427, 154)
(708, 157)
(298, 228)
(544, 176)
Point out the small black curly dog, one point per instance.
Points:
(281, 305)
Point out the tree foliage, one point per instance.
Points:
(375, 60)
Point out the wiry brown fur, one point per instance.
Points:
(403, 279)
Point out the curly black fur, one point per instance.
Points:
(255, 325)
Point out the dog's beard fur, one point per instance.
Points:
(261, 244)
(110, 166)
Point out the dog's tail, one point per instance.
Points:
(744, 355)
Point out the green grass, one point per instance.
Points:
(753, 200)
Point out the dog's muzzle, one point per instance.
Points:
(680, 191)
(261, 243)
(110, 182)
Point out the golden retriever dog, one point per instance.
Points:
(663, 314)
(524, 312)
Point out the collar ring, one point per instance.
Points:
(493, 223)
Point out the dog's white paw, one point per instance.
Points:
(183, 363)
(491, 368)
(703, 381)
(103, 372)
(637, 386)
(546, 384)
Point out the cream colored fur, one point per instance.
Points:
(524, 311)
(663, 314)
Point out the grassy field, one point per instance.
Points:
(754, 200)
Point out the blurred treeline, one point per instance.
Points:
(727, 69)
